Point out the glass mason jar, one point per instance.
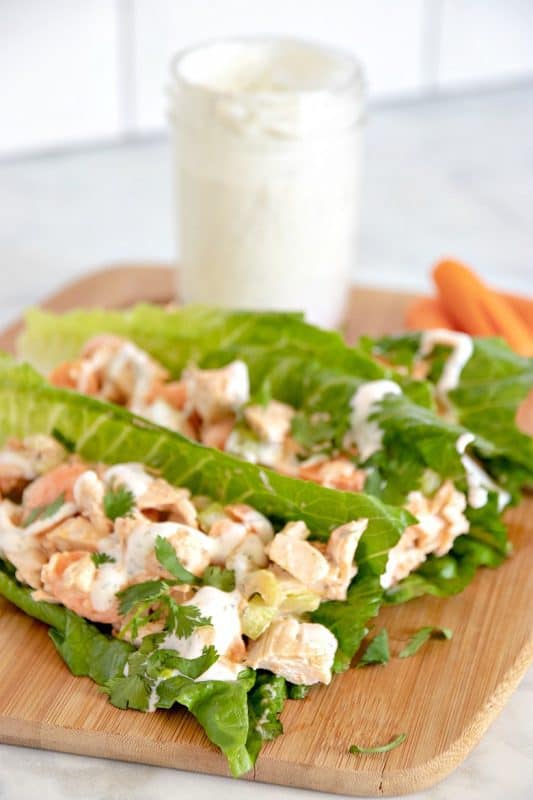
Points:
(267, 145)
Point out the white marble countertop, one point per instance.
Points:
(447, 177)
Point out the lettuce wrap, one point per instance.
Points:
(237, 716)
(318, 375)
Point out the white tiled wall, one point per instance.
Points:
(385, 34)
(485, 40)
(83, 70)
(59, 72)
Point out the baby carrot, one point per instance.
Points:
(522, 305)
(425, 313)
(460, 293)
(479, 310)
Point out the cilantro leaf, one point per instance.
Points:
(183, 620)
(148, 591)
(118, 502)
(422, 636)
(377, 651)
(67, 443)
(44, 512)
(380, 748)
(101, 558)
(190, 667)
(166, 555)
(129, 691)
(220, 578)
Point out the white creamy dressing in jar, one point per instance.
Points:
(462, 349)
(364, 433)
(479, 483)
(267, 145)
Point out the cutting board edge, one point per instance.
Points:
(415, 778)
(429, 773)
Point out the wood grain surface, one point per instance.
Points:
(444, 698)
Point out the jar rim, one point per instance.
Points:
(351, 74)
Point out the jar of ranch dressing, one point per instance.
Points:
(267, 140)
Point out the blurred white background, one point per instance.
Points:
(76, 72)
(86, 170)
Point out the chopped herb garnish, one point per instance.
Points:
(44, 512)
(140, 598)
(146, 592)
(166, 555)
(220, 578)
(163, 659)
(183, 620)
(380, 748)
(101, 558)
(118, 503)
(422, 636)
(377, 651)
(67, 443)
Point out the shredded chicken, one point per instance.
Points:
(301, 652)
(441, 520)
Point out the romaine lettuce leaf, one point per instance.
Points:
(492, 385)
(347, 620)
(220, 708)
(184, 335)
(265, 704)
(102, 432)
(110, 434)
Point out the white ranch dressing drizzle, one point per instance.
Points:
(225, 630)
(163, 414)
(367, 435)
(462, 349)
(41, 525)
(22, 463)
(109, 579)
(253, 450)
(222, 545)
(140, 544)
(131, 476)
(130, 355)
(479, 483)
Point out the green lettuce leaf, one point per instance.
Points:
(220, 708)
(492, 385)
(84, 648)
(265, 704)
(99, 431)
(184, 335)
(102, 432)
(377, 651)
(422, 636)
(222, 711)
(348, 619)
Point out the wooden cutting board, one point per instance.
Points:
(444, 698)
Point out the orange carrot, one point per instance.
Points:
(509, 324)
(425, 313)
(460, 292)
(477, 309)
(522, 305)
